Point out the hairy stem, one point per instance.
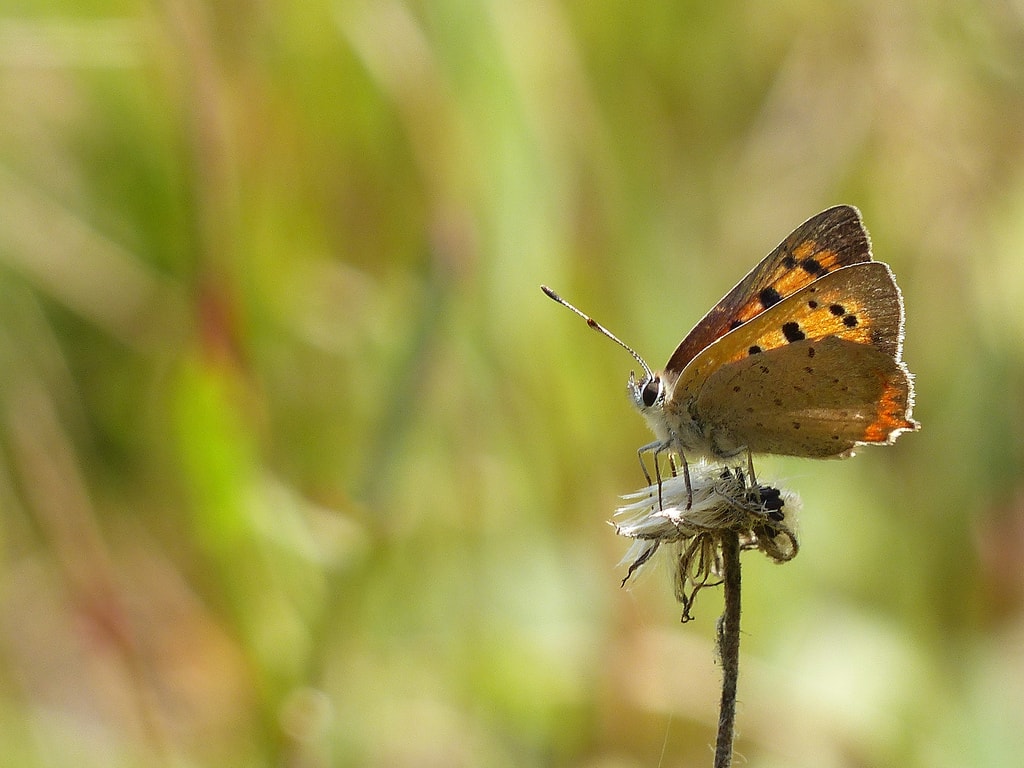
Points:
(729, 647)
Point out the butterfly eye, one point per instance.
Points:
(651, 392)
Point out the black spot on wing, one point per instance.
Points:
(850, 321)
(837, 309)
(792, 332)
(813, 267)
(754, 350)
(769, 297)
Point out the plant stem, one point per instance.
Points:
(729, 647)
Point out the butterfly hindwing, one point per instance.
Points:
(832, 239)
(842, 394)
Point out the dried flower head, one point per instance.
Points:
(722, 500)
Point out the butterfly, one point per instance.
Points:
(802, 358)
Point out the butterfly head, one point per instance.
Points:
(649, 392)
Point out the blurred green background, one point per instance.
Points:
(298, 467)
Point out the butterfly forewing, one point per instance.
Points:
(833, 239)
(859, 303)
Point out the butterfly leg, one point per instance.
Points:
(675, 473)
(655, 449)
(753, 478)
(640, 456)
(750, 468)
(689, 487)
(686, 478)
(657, 474)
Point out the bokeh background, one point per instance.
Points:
(298, 467)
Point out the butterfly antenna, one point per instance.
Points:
(600, 329)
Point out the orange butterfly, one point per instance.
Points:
(801, 358)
